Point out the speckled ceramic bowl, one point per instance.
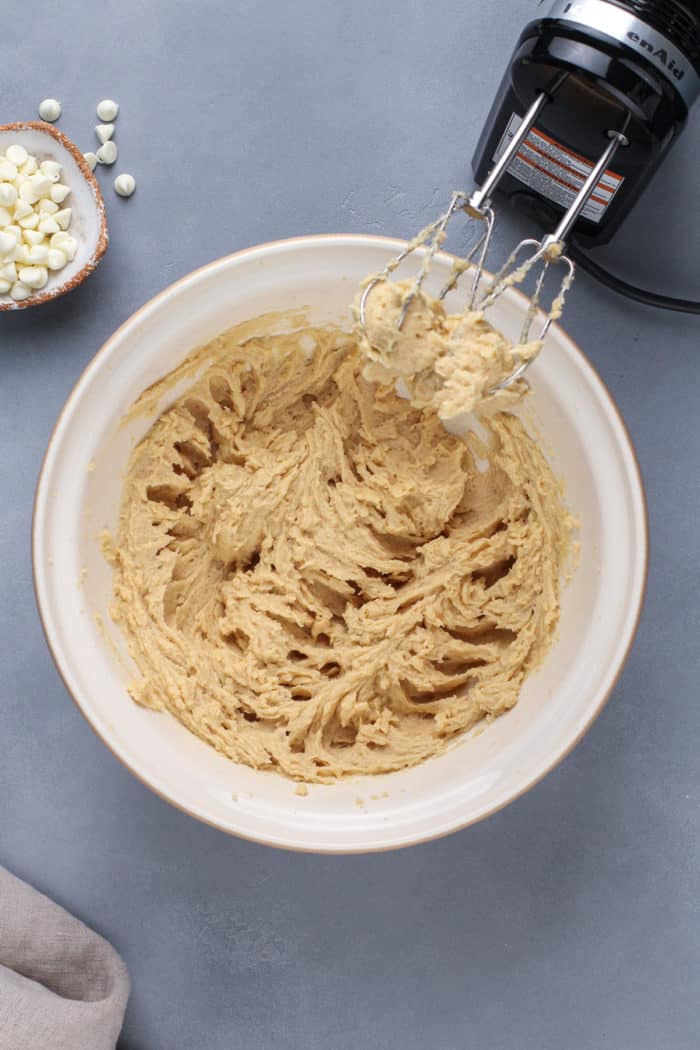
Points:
(88, 221)
(79, 494)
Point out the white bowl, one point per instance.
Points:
(88, 221)
(79, 493)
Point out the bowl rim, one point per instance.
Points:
(103, 234)
(262, 839)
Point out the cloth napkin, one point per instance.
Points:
(62, 986)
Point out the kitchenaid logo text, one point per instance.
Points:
(660, 54)
(634, 34)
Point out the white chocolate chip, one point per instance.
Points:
(27, 193)
(69, 248)
(34, 188)
(104, 132)
(7, 243)
(8, 271)
(5, 217)
(47, 206)
(8, 194)
(36, 254)
(4, 286)
(125, 184)
(29, 222)
(33, 276)
(22, 209)
(20, 291)
(50, 109)
(41, 184)
(107, 109)
(34, 236)
(59, 192)
(91, 158)
(51, 169)
(47, 226)
(107, 154)
(56, 260)
(65, 243)
(63, 218)
(16, 155)
(8, 171)
(21, 254)
(29, 167)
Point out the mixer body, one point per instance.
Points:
(605, 65)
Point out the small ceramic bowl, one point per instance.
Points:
(88, 221)
(79, 493)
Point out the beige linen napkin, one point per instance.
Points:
(62, 987)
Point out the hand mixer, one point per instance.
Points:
(595, 94)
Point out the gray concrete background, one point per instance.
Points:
(568, 921)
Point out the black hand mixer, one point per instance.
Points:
(595, 95)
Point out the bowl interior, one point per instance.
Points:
(88, 223)
(79, 494)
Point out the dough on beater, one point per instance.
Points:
(449, 362)
(315, 577)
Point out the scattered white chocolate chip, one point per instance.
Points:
(107, 153)
(34, 236)
(125, 184)
(50, 109)
(104, 132)
(20, 291)
(91, 158)
(16, 155)
(8, 272)
(47, 206)
(107, 109)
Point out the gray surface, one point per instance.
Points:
(568, 921)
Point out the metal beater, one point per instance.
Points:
(581, 70)
(530, 256)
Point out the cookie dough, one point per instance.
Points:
(315, 577)
(449, 362)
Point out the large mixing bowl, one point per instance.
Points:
(79, 492)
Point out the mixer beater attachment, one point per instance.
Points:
(529, 257)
